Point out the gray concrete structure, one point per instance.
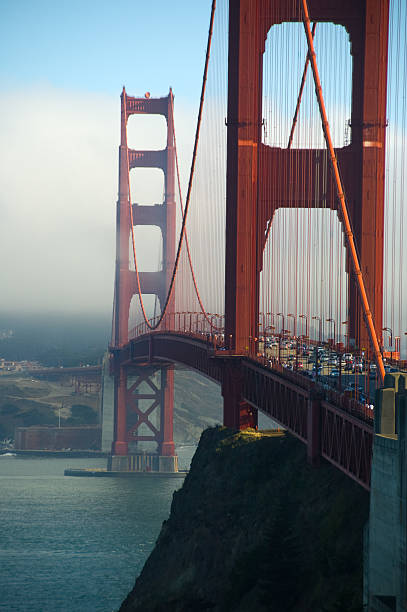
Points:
(385, 546)
(143, 462)
(107, 405)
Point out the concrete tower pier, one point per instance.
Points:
(385, 545)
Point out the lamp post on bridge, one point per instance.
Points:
(397, 347)
(213, 334)
(295, 337)
(294, 323)
(389, 329)
(346, 334)
(267, 322)
(334, 324)
(303, 316)
(260, 333)
(280, 314)
(272, 330)
(320, 328)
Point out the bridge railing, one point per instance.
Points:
(211, 332)
(184, 322)
(199, 324)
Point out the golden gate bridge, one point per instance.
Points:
(288, 248)
(291, 231)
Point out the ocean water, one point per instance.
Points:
(75, 544)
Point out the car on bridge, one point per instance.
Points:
(334, 374)
(372, 370)
(390, 370)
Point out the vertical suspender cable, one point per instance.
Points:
(297, 108)
(198, 295)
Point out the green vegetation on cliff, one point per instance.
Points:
(255, 528)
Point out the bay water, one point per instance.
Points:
(75, 544)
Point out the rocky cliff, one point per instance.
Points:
(255, 528)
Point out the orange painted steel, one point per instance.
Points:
(295, 117)
(361, 160)
(188, 199)
(259, 180)
(292, 400)
(341, 196)
(129, 283)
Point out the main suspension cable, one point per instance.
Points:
(341, 196)
(188, 199)
(297, 108)
(198, 295)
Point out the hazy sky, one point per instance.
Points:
(62, 70)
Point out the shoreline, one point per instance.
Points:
(87, 472)
(54, 453)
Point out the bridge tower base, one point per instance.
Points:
(107, 405)
(143, 462)
(237, 413)
(385, 538)
(143, 440)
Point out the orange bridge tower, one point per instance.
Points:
(143, 392)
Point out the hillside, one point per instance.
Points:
(255, 528)
(198, 404)
(62, 340)
(26, 401)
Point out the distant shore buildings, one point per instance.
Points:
(17, 366)
(87, 437)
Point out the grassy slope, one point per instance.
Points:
(26, 401)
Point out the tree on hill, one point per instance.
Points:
(81, 414)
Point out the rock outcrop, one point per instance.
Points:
(255, 528)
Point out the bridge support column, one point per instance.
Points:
(385, 546)
(107, 405)
(144, 419)
(314, 431)
(237, 414)
(366, 188)
(242, 271)
(166, 447)
(120, 446)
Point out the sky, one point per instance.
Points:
(62, 71)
